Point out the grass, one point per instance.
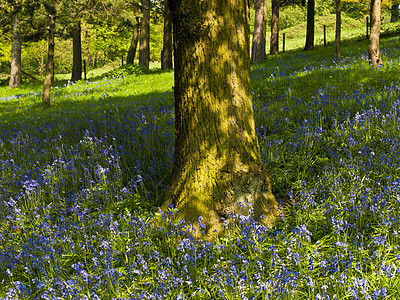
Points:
(80, 184)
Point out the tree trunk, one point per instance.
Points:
(15, 74)
(135, 36)
(76, 53)
(259, 34)
(394, 11)
(166, 57)
(310, 25)
(275, 28)
(49, 65)
(374, 54)
(338, 29)
(144, 49)
(217, 158)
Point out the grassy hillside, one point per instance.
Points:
(80, 184)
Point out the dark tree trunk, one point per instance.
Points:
(15, 74)
(374, 54)
(259, 34)
(166, 57)
(275, 28)
(310, 25)
(394, 11)
(217, 158)
(144, 49)
(50, 64)
(338, 29)
(135, 36)
(76, 53)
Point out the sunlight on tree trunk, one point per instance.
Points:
(217, 157)
(259, 34)
(15, 74)
(144, 49)
(274, 49)
(76, 53)
(50, 64)
(374, 54)
(310, 25)
(338, 29)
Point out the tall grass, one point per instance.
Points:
(80, 184)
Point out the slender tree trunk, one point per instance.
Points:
(310, 25)
(76, 53)
(144, 49)
(217, 158)
(50, 64)
(394, 11)
(166, 57)
(374, 54)
(275, 28)
(259, 34)
(15, 74)
(135, 36)
(338, 29)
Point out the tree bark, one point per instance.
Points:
(135, 36)
(394, 11)
(338, 29)
(275, 28)
(15, 74)
(374, 55)
(49, 64)
(310, 25)
(259, 34)
(217, 160)
(144, 48)
(166, 57)
(76, 53)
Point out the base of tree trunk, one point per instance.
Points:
(246, 192)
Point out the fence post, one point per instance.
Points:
(283, 43)
(367, 28)
(324, 35)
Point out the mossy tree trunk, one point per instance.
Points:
(374, 54)
(274, 47)
(310, 25)
(15, 74)
(338, 29)
(166, 57)
(259, 34)
(76, 53)
(217, 158)
(135, 36)
(144, 47)
(49, 64)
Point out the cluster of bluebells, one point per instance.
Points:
(69, 185)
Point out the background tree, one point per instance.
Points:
(259, 34)
(374, 54)
(166, 54)
(144, 47)
(10, 15)
(394, 12)
(310, 25)
(217, 161)
(15, 74)
(338, 29)
(274, 49)
(135, 33)
(52, 12)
